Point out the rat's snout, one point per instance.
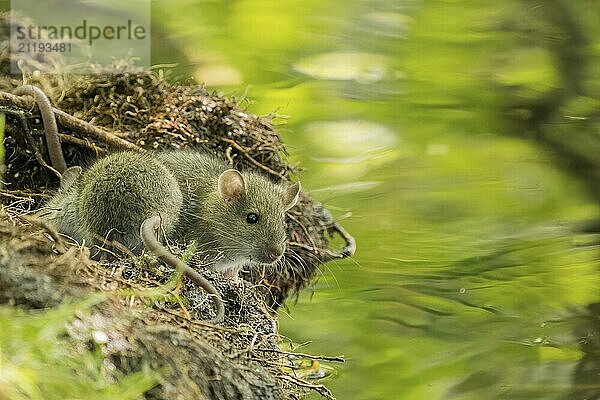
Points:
(273, 253)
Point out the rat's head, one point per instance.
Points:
(250, 216)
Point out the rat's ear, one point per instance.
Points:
(69, 177)
(291, 195)
(231, 185)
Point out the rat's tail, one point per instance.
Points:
(50, 128)
(148, 233)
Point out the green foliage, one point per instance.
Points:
(416, 119)
(38, 360)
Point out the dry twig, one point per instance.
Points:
(12, 104)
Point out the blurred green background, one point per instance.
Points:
(459, 142)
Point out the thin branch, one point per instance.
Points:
(252, 159)
(16, 104)
(322, 390)
(65, 138)
(309, 356)
(82, 143)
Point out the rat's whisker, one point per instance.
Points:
(301, 262)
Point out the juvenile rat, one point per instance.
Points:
(236, 218)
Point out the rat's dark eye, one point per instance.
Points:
(252, 218)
